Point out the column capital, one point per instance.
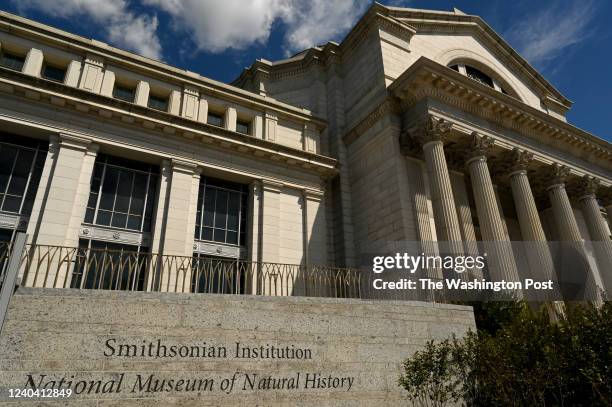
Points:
(184, 166)
(312, 195)
(520, 160)
(431, 130)
(588, 187)
(271, 186)
(75, 142)
(557, 175)
(480, 145)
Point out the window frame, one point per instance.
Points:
(246, 124)
(158, 98)
(216, 115)
(53, 67)
(231, 188)
(152, 177)
(18, 56)
(33, 176)
(117, 86)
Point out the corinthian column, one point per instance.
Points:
(598, 230)
(432, 136)
(575, 272)
(502, 265)
(536, 246)
(448, 233)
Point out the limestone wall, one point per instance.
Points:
(66, 333)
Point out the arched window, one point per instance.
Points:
(477, 75)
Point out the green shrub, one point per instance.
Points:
(518, 358)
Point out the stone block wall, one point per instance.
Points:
(76, 335)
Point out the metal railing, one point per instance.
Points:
(87, 268)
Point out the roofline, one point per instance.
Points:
(424, 63)
(33, 30)
(399, 12)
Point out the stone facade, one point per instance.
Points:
(419, 126)
(415, 96)
(61, 333)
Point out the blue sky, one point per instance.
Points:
(569, 42)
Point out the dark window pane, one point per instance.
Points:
(124, 93)
(98, 170)
(11, 203)
(93, 200)
(209, 207)
(151, 196)
(207, 234)
(13, 61)
(89, 215)
(232, 211)
(104, 218)
(243, 127)
(232, 237)
(122, 202)
(158, 103)
(454, 67)
(108, 188)
(119, 220)
(221, 210)
(138, 195)
(146, 226)
(219, 235)
(479, 76)
(215, 119)
(8, 155)
(54, 73)
(21, 172)
(134, 222)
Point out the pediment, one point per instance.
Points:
(457, 23)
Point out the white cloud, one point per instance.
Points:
(123, 28)
(543, 36)
(218, 25)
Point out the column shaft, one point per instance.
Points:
(600, 238)
(536, 247)
(443, 202)
(575, 269)
(502, 265)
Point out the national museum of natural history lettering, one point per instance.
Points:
(133, 180)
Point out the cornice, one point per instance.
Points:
(98, 107)
(426, 78)
(37, 32)
(331, 53)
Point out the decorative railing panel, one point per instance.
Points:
(86, 268)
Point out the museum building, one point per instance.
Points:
(420, 126)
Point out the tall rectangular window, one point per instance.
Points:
(12, 61)
(21, 163)
(122, 194)
(221, 213)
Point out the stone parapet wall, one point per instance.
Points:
(355, 345)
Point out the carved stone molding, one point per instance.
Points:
(557, 175)
(480, 146)
(520, 159)
(588, 187)
(432, 129)
(115, 235)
